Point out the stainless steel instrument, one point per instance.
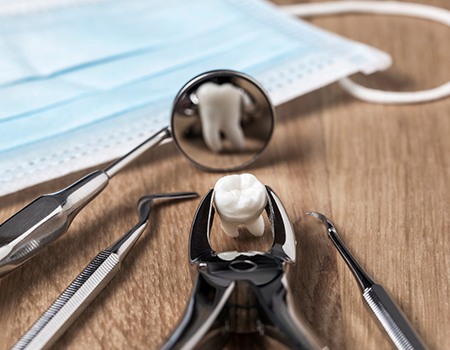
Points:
(49, 216)
(66, 308)
(231, 281)
(376, 297)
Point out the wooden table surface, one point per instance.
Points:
(381, 173)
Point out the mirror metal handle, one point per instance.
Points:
(44, 220)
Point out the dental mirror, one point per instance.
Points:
(221, 121)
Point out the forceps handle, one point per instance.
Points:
(60, 315)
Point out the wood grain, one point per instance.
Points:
(382, 173)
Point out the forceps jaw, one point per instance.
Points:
(206, 303)
(199, 246)
(284, 242)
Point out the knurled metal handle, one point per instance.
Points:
(71, 302)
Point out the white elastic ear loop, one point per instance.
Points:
(387, 8)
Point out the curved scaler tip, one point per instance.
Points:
(322, 218)
(145, 203)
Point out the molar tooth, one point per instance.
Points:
(220, 110)
(256, 227)
(230, 228)
(240, 199)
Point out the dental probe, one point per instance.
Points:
(69, 305)
(379, 301)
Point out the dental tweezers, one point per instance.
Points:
(379, 301)
(69, 305)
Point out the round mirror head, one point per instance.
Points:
(222, 120)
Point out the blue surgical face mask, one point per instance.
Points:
(70, 38)
(86, 83)
(209, 49)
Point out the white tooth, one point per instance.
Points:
(256, 227)
(220, 110)
(230, 228)
(240, 199)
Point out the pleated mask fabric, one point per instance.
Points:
(82, 84)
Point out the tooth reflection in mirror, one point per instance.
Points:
(220, 109)
(222, 120)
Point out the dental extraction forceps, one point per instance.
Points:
(214, 308)
(96, 275)
(379, 301)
